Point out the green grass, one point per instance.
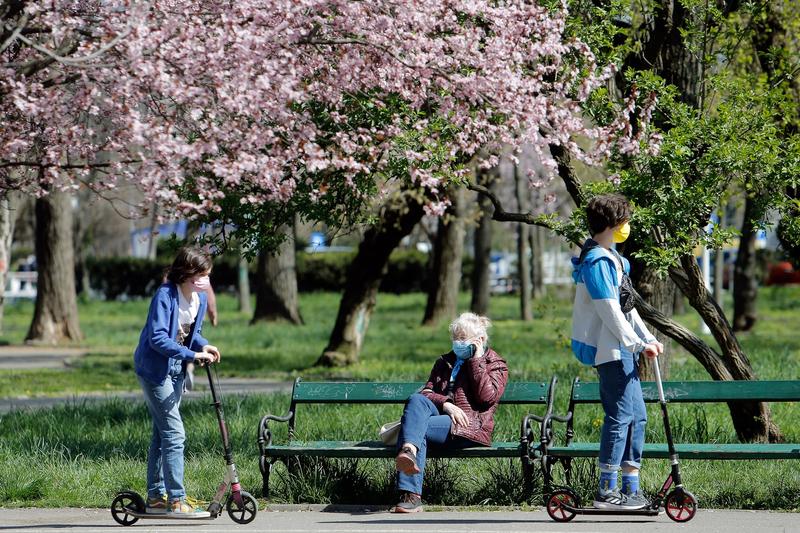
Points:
(81, 454)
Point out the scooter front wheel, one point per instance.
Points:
(557, 504)
(123, 504)
(680, 505)
(245, 512)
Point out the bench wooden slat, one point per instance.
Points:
(389, 392)
(691, 451)
(377, 449)
(703, 391)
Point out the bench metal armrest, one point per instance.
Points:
(264, 431)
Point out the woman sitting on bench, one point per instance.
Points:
(454, 410)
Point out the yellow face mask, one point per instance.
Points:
(622, 232)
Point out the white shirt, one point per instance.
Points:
(187, 314)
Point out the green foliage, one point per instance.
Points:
(701, 161)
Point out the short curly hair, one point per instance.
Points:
(607, 211)
(469, 326)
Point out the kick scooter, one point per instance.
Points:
(563, 503)
(128, 507)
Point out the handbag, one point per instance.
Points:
(389, 433)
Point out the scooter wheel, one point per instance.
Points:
(125, 503)
(558, 504)
(244, 513)
(680, 505)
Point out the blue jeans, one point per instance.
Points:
(423, 424)
(622, 435)
(165, 456)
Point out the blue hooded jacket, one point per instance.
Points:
(601, 332)
(158, 350)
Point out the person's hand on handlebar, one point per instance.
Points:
(210, 354)
(651, 350)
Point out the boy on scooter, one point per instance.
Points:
(609, 334)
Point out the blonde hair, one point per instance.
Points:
(469, 326)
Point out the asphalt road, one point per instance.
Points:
(292, 520)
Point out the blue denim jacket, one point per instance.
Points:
(158, 350)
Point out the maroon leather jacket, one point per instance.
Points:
(477, 390)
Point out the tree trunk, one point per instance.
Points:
(523, 232)
(448, 251)
(659, 293)
(276, 294)
(152, 238)
(8, 217)
(397, 218)
(55, 316)
(745, 284)
(483, 249)
(243, 285)
(536, 236)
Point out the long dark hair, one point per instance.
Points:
(189, 261)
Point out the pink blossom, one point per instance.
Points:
(213, 99)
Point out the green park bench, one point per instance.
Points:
(675, 392)
(337, 393)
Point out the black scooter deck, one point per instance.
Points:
(627, 512)
(166, 516)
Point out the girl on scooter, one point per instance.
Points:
(172, 338)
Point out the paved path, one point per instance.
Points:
(24, 357)
(293, 521)
(227, 386)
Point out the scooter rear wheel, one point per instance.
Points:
(122, 504)
(680, 505)
(556, 503)
(244, 513)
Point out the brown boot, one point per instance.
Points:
(406, 461)
(409, 503)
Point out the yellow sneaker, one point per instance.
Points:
(184, 509)
(156, 505)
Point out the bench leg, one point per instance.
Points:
(527, 475)
(265, 465)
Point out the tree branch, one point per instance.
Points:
(501, 215)
(566, 173)
(706, 355)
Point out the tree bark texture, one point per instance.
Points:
(276, 293)
(448, 251)
(55, 316)
(397, 219)
(483, 248)
(660, 294)
(745, 284)
(523, 233)
(8, 217)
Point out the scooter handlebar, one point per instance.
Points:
(659, 384)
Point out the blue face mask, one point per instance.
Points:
(463, 349)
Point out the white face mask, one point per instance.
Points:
(200, 284)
